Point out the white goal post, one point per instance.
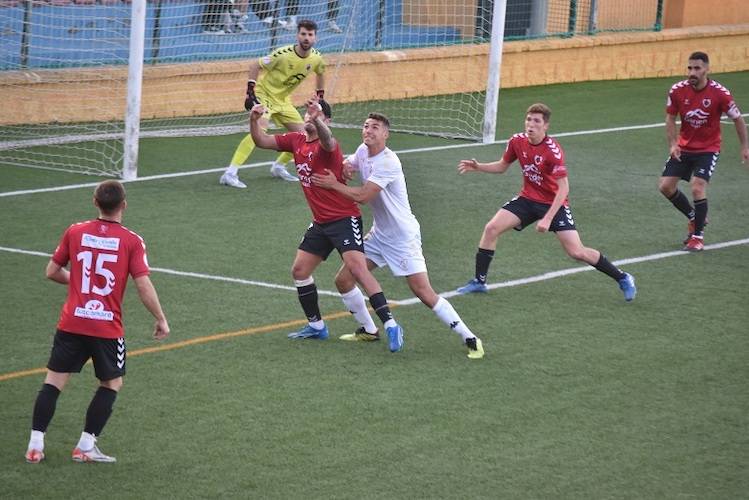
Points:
(86, 80)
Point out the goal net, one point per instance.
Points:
(64, 70)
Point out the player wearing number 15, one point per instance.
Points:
(102, 253)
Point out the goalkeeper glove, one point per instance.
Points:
(320, 96)
(250, 99)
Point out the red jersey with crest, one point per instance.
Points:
(700, 112)
(326, 205)
(101, 254)
(542, 165)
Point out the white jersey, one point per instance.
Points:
(393, 220)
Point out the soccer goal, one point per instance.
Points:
(84, 81)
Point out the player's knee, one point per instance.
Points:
(666, 189)
(115, 384)
(299, 273)
(577, 253)
(491, 231)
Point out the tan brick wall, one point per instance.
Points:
(211, 88)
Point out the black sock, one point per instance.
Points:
(44, 408)
(380, 306)
(308, 299)
(605, 266)
(99, 410)
(483, 259)
(681, 203)
(700, 216)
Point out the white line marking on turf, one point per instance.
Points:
(582, 269)
(266, 163)
(189, 274)
(415, 300)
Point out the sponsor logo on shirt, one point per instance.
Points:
(91, 241)
(533, 174)
(94, 309)
(696, 118)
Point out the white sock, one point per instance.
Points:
(232, 170)
(278, 165)
(86, 442)
(444, 311)
(355, 303)
(317, 325)
(390, 323)
(36, 441)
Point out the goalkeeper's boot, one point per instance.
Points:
(278, 170)
(34, 456)
(395, 338)
(92, 455)
(361, 335)
(475, 348)
(473, 286)
(231, 180)
(627, 285)
(308, 332)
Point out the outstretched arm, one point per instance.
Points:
(495, 167)
(262, 140)
(150, 299)
(360, 194)
(327, 141)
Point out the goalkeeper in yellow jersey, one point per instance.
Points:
(272, 78)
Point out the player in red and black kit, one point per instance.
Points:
(336, 220)
(543, 199)
(102, 254)
(693, 154)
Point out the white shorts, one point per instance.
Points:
(404, 259)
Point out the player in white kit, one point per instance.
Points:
(395, 237)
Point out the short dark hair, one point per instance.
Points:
(308, 24)
(380, 118)
(699, 56)
(542, 109)
(326, 110)
(109, 195)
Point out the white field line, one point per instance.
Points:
(255, 165)
(414, 300)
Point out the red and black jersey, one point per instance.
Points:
(326, 205)
(542, 165)
(102, 254)
(700, 112)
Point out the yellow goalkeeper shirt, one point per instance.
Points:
(284, 70)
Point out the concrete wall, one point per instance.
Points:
(686, 13)
(209, 88)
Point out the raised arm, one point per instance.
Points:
(496, 167)
(150, 299)
(261, 138)
(327, 141)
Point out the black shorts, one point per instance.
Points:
(700, 165)
(343, 235)
(530, 211)
(71, 351)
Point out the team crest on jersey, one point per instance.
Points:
(525, 155)
(103, 228)
(538, 159)
(686, 102)
(706, 103)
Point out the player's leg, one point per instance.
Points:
(356, 262)
(703, 170)
(67, 357)
(109, 357)
(354, 301)
(304, 265)
(573, 246)
(674, 171)
(504, 220)
(422, 288)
